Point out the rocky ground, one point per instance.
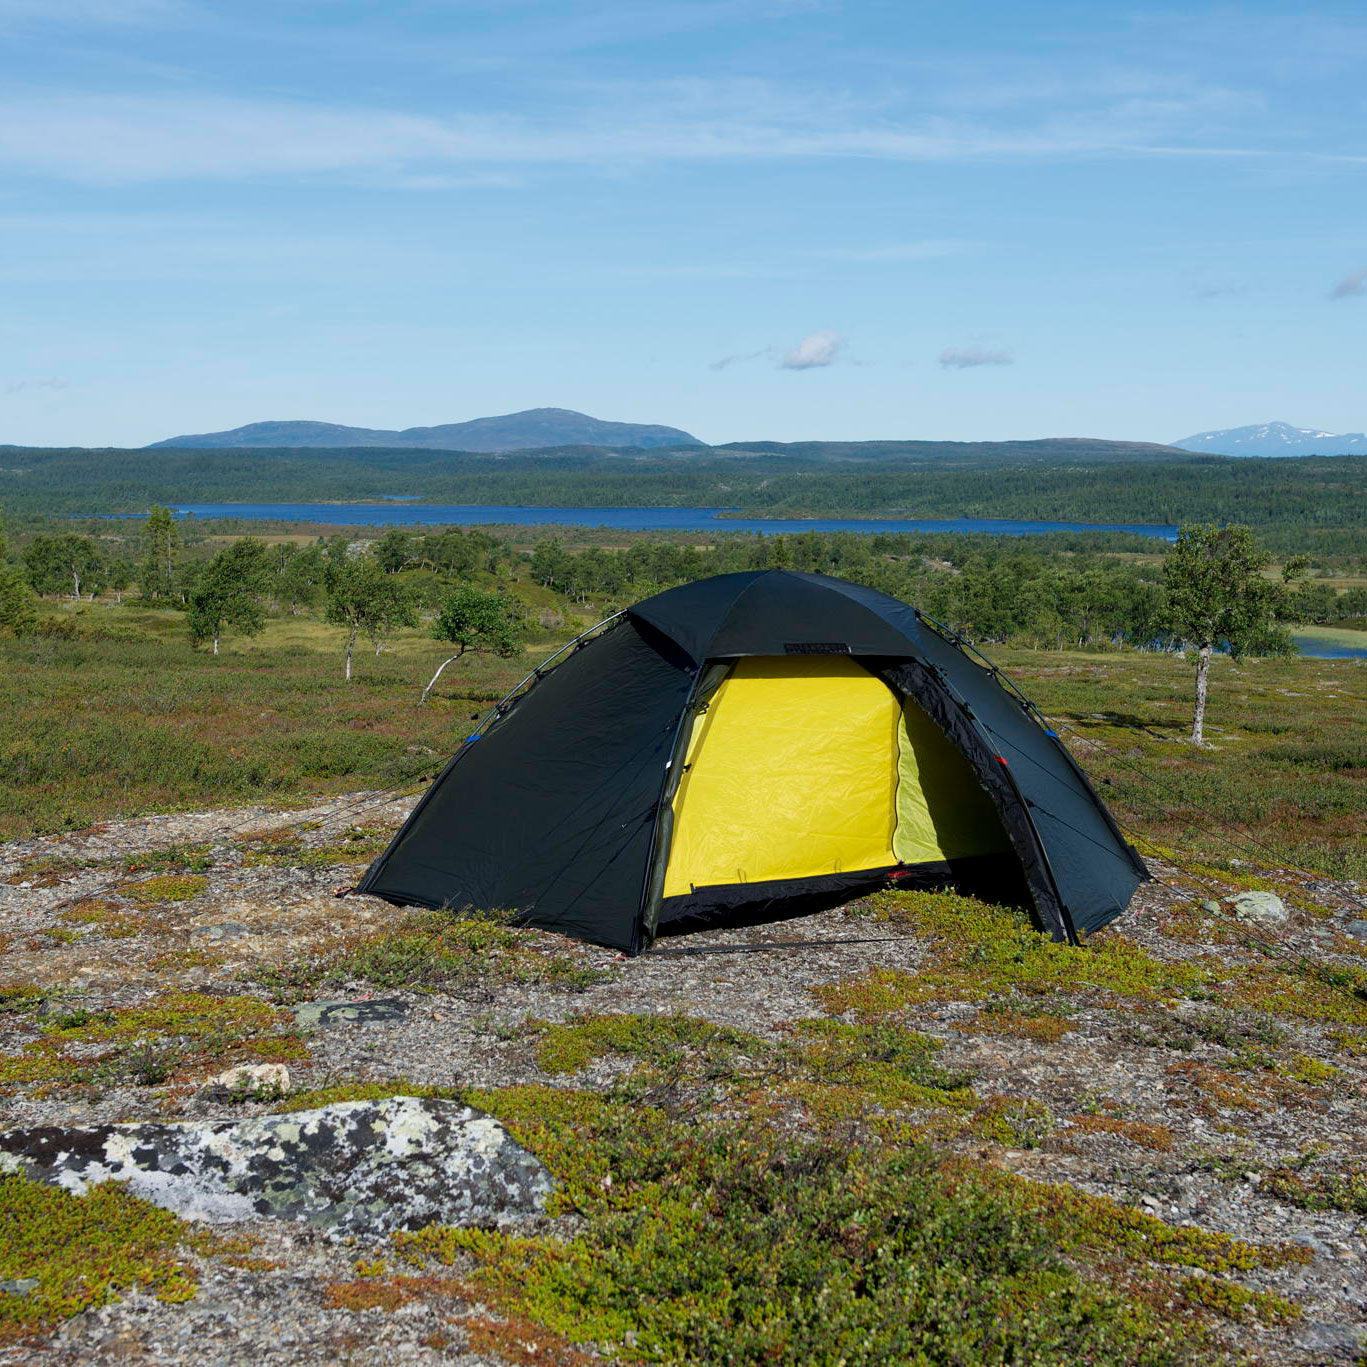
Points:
(1232, 1113)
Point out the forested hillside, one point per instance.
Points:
(1318, 504)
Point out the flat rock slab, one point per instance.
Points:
(225, 930)
(356, 1167)
(321, 1014)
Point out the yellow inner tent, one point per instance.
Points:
(810, 765)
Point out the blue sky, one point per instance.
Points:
(748, 218)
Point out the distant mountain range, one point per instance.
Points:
(1276, 439)
(531, 429)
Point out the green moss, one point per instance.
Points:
(172, 859)
(366, 1091)
(876, 1065)
(1303, 990)
(1311, 1071)
(84, 1250)
(165, 887)
(1016, 1122)
(661, 1042)
(979, 950)
(440, 950)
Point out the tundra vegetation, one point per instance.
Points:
(913, 1156)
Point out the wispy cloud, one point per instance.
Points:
(20, 386)
(133, 138)
(740, 356)
(87, 11)
(815, 349)
(965, 358)
(1353, 283)
(931, 250)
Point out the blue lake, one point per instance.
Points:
(1320, 649)
(405, 514)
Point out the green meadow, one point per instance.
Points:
(124, 717)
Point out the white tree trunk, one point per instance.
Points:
(350, 649)
(1198, 719)
(432, 682)
(215, 643)
(76, 579)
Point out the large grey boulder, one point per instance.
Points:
(354, 1167)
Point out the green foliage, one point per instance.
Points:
(981, 949)
(67, 564)
(18, 616)
(478, 621)
(365, 1091)
(146, 1044)
(83, 1250)
(1237, 1302)
(228, 593)
(361, 597)
(1217, 594)
(734, 1244)
(165, 887)
(1327, 1189)
(161, 538)
(1304, 503)
(438, 950)
(1016, 1122)
(663, 1043)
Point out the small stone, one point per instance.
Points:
(323, 1014)
(1357, 929)
(1260, 906)
(19, 1286)
(1149, 1202)
(1211, 907)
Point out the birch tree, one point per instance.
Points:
(228, 593)
(474, 621)
(363, 598)
(1219, 598)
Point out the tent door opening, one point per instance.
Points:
(810, 770)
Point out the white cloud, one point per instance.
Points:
(1353, 283)
(815, 349)
(965, 358)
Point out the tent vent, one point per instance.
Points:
(815, 648)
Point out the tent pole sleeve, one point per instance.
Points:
(708, 680)
(1028, 703)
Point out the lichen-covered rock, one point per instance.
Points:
(1259, 906)
(320, 1015)
(353, 1167)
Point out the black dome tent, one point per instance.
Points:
(752, 745)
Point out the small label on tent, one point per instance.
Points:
(815, 648)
